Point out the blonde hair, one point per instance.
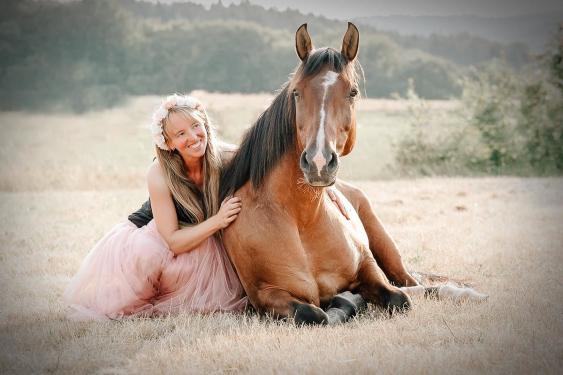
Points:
(185, 191)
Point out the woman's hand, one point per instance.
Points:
(336, 199)
(228, 212)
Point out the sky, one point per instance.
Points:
(347, 9)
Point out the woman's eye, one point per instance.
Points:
(353, 93)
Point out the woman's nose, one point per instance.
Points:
(192, 135)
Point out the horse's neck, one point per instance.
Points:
(288, 188)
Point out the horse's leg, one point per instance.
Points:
(344, 306)
(374, 288)
(382, 246)
(282, 304)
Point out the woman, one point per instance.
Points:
(151, 264)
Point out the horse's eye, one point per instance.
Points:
(353, 93)
(295, 94)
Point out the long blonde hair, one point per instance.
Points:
(185, 191)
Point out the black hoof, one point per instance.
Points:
(306, 314)
(398, 302)
(348, 302)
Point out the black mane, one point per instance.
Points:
(263, 145)
(322, 58)
(273, 134)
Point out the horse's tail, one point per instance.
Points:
(446, 292)
(443, 288)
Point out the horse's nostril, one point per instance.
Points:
(303, 161)
(333, 162)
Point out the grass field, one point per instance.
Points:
(66, 180)
(112, 149)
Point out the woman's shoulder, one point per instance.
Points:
(155, 176)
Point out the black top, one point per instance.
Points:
(143, 215)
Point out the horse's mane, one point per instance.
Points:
(273, 134)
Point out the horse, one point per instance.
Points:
(293, 250)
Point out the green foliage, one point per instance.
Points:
(507, 124)
(466, 49)
(427, 150)
(68, 55)
(90, 54)
(542, 111)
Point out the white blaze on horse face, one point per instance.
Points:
(328, 80)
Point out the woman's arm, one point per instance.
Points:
(183, 240)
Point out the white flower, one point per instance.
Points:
(155, 128)
(191, 102)
(160, 114)
(160, 141)
(171, 102)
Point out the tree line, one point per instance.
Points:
(90, 54)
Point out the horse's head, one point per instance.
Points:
(324, 88)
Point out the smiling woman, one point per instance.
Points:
(152, 264)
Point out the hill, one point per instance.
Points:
(533, 30)
(93, 53)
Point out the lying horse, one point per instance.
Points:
(292, 248)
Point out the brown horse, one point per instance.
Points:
(292, 249)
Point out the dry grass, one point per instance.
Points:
(507, 239)
(111, 149)
(65, 180)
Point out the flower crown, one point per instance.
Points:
(161, 113)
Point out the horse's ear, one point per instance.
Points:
(303, 44)
(350, 142)
(351, 42)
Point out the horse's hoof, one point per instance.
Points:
(348, 302)
(306, 314)
(360, 302)
(398, 302)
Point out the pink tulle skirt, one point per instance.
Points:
(131, 271)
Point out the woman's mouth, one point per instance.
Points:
(195, 145)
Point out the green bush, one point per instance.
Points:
(430, 151)
(508, 123)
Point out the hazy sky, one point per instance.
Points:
(346, 9)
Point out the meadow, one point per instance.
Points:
(67, 179)
(109, 149)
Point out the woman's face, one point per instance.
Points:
(187, 135)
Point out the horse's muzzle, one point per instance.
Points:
(319, 170)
